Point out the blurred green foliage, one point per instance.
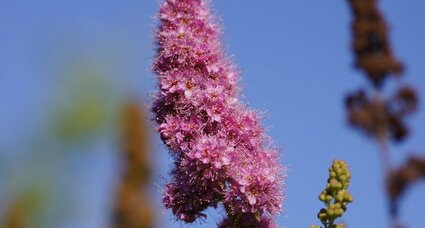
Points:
(41, 181)
(88, 106)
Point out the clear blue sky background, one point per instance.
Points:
(296, 65)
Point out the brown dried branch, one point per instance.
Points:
(132, 207)
(380, 118)
(399, 180)
(371, 44)
(377, 117)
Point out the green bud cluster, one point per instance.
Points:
(335, 196)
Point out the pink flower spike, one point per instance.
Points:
(222, 153)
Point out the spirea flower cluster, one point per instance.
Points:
(222, 153)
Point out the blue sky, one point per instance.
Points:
(296, 65)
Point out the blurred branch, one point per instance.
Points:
(23, 209)
(379, 117)
(371, 43)
(132, 207)
(401, 179)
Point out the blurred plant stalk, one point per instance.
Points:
(379, 116)
(21, 211)
(132, 207)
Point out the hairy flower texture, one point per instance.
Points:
(221, 152)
